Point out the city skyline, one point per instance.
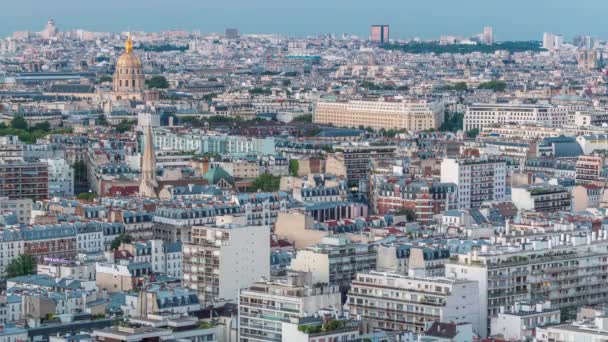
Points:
(517, 20)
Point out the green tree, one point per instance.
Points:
(105, 79)
(303, 118)
(266, 182)
(497, 86)
(41, 126)
(473, 133)
(86, 196)
(286, 83)
(452, 122)
(125, 125)
(209, 97)
(409, 213)
(102, 120)
(19, 122)
(120, 239)
(294, 166)
(157, 82)
(24, 264)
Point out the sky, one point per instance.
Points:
(426, 19)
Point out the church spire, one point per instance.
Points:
(147, 183)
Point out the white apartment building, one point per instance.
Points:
(478, 180)
(390, 301)
(409, 115)
(89, 237)
(335, 260)
(590, 330)
(225, 258)
(569, 270)
(481, 115)
(265, 305)
(521, 324)
(61, 178)
(403, 258)
(11, 147)
(22, 208)
(541, 198)
(592, 143)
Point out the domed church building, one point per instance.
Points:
(129, 81)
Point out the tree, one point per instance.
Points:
(87, 196)
(294, 166)
(473, 133)
(19, 122)
(286, 83)
(158, 82)
(266, 182)
(41, 126)
(497, 86)
(452, 122)
(102, 120)
(105, 79)
(409, 213)
(120, 239)
(461, 86)
(125, 125)
(303, 118)
(24, 264)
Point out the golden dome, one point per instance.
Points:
(128, 59)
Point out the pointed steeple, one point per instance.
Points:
(147, 184)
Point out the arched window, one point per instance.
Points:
(126, 71)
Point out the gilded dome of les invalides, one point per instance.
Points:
(128, 59)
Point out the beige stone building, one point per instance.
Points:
(409, 115)
(297, 228)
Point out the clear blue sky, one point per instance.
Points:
(511, 19)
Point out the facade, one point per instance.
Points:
(19, 179)
(265, 305)
(589, 168)
(22, 208)
(221, 144)
(128, 81)
(488, 35)
(425, 199)
(594, 330)
(409, 259)
(398, 302)
(61, 178)
(380, 34)
(225, 258)
(541, 198)
(592, 143)
(586, 196)
(408, 115)
(164, 257)
(310, 329)
(521, 324)
(335, 260)
(478, 180)
(543, 273)
(356, 159)
(148, 186)
(481, 115)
